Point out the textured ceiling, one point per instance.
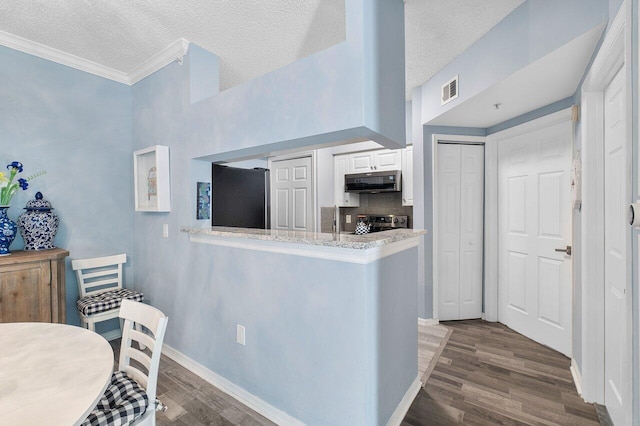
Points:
(251, 37)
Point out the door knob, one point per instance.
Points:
(567, 250)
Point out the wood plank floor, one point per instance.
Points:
(490, 375)
(431, 342)
(192, 401)
(486, 375)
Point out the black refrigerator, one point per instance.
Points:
(240, 197)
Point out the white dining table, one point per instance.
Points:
(51, 374)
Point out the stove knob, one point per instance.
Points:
(395, 220)
(402, 221)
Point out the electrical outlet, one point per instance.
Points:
(347, 218)
(240, 334)
(165, 230)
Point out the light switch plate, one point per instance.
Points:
(240, 334)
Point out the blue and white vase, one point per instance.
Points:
(8, 231)
(38, 225)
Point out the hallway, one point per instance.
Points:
(488, 374)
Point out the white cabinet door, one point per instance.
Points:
(407, 176)
(376, 161)
(460, 231)
(292, 194)
(361, 162)
(341, 168)
(387, 159)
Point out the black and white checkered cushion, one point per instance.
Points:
(122, 403)
(105, 301)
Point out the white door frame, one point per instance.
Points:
(314, 180)
(489, 167)
(610, 58)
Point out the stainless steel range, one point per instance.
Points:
(385, 222)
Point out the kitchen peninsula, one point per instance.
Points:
(337, 319)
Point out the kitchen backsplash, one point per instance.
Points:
(385, 203)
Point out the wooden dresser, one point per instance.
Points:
(32, 286)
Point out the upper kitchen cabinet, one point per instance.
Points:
(407, 176)
(341, 168)
(378, 160)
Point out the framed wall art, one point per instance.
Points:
(151, 179)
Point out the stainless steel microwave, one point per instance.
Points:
(373, 182)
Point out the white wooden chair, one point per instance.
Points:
(100, 288)
(124, 398)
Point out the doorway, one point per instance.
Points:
(534, 238)
(607, 373)
(292, 194)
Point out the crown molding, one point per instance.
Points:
(174, 52)
(49, 53)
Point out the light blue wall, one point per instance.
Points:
(204, 68)
(614, 7)
(77, 127)
(304, 331)
(329, 96)
(384, 93)
(396, 333)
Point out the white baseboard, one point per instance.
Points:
(404, 405)
(428, 321)
(112, 335)
(577, 377)
(250, 400)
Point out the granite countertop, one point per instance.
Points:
(342, 240)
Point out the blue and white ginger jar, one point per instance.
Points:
(38, 225)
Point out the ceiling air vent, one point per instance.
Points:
(450, 90)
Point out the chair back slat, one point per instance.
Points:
(100, 274)
(143, 338)
(138, 375)
(136, 314)
(140, 357)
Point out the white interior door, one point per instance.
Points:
(292, 194)
(534, 280)
(460, 230)
(615, 228)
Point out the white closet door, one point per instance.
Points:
(460, 230)
(471, 230)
